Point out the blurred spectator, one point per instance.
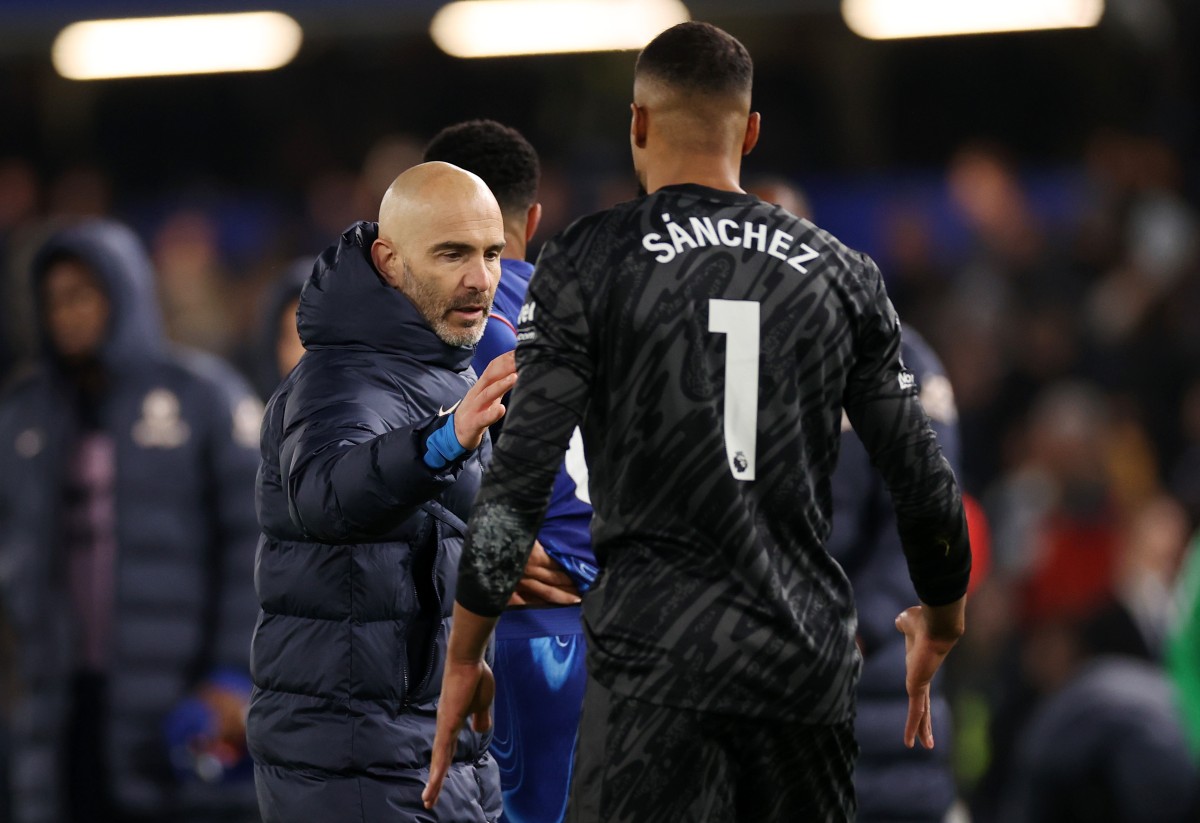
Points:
(80, 192)
(385, 160)
(1020, 293)
(331, 199)
(1054, 516)
(277, 347)
(917, 281)
(1185, 470)
(782, 193)
(1137, 620)
(127, 533)
(19, 195)
(194, 285)
(1106, 748)
(1107, 744)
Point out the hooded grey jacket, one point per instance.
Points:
(183, 427)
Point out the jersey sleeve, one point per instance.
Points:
(554, 368)
(882, 403)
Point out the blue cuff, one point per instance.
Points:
(442, 447)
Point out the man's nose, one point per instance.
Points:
(477, 277)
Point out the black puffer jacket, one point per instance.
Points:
(357, 562)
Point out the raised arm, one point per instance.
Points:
(350, 473)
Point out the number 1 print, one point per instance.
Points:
(738, 321)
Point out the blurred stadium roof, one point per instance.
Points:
(367, 68)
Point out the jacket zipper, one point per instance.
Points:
(437, 558)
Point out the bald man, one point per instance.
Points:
(706, 343)
(372, 452)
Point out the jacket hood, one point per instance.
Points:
(282, 292)
(116, 255)
(346, 305)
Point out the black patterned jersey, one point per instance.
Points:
(706, 343)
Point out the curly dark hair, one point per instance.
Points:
(698, 57)
(497, 153)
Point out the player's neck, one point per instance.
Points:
(713, 172)
(514, 243)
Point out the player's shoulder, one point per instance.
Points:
(836, 257)
(584, 230)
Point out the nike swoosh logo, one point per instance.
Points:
(443, 412)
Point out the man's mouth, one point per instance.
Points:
(469, 312)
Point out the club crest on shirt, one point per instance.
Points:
(29, 443)
(937, 396)
(160, 426)
(247, 420)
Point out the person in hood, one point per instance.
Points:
(127, 534)
(539, 640)
(372, 452)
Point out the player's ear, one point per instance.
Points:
(532, 218)
(638, 126)
(385, 259)
(750, 140)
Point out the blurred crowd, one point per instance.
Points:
(1074, 354)
(1072, 346)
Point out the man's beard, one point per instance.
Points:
(436, 310)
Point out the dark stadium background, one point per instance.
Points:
(1032, 199)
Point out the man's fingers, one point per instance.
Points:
(499, 367)
(437, 769)
(927, 723)
(551, 577)
(912, 722)
(489, 393)
(481, 720)
(535, 590)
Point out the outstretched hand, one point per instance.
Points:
(929, 634)
(481, 406)
(467, 689)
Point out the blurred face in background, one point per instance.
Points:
(288, 348)
(76, 309)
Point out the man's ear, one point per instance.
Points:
(532, 218)
(750, 140)
(638, 125)
(385, 259)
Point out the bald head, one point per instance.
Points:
(431, 193)
(440, 237)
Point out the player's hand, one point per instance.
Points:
(929, 634)
(481, 407)
(467, 689)
(544, 582)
